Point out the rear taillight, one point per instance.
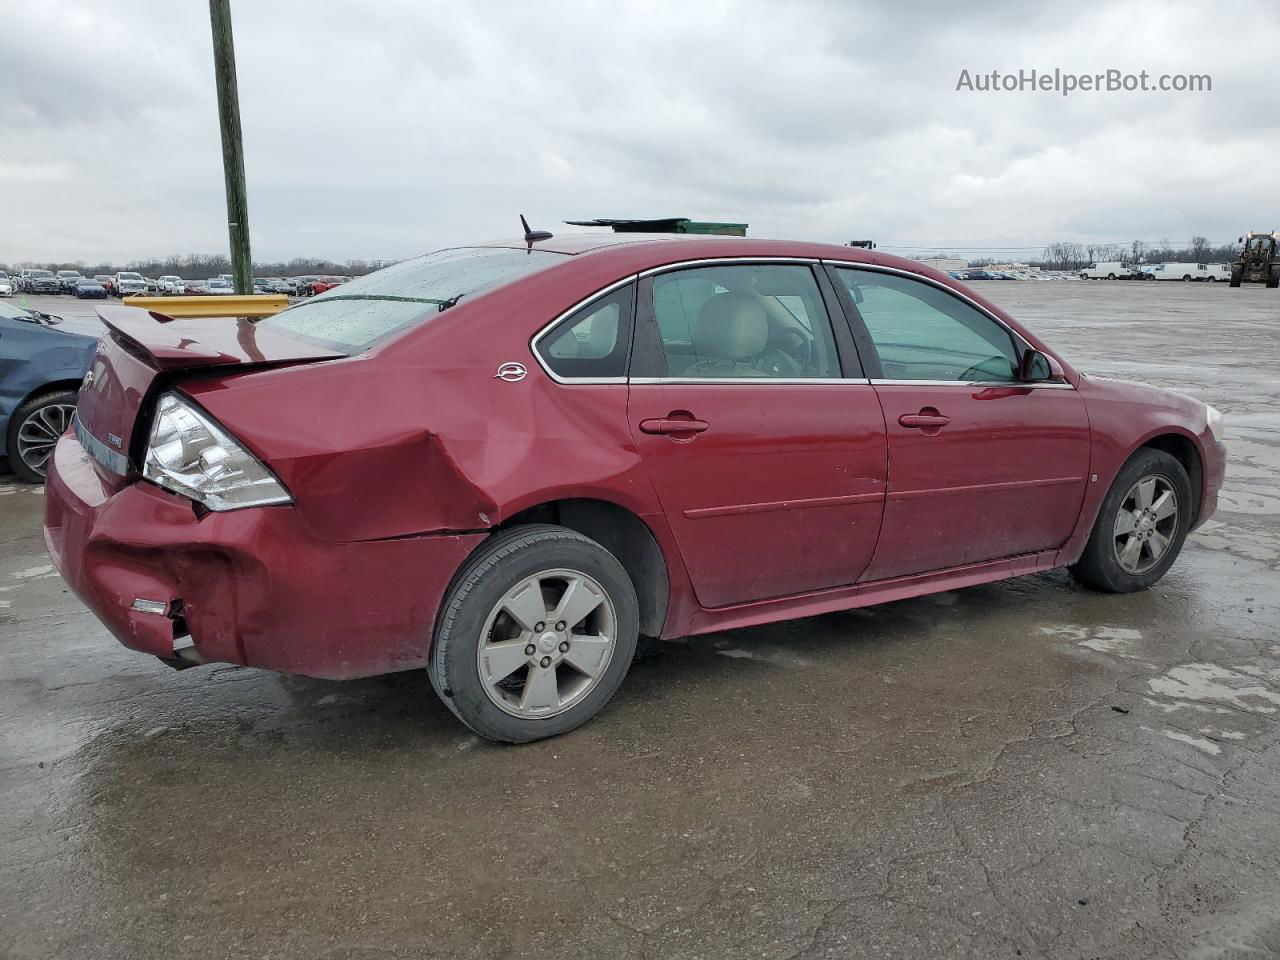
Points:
(191, 455)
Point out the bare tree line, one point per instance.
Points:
(199, 266)
(1068, 255)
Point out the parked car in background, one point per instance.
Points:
(42, 361)
(171, 285)
(129, 283)
(1106, 270)
(218, 287)
(323, 284)
(744, 431)
(90, 289)
(1179, 271)
(153, 286)
(67, 280)
(40, 281)
(108, 282)
(6, 285)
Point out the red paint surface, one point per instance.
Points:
(795, 499)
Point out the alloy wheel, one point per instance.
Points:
(1145, 524)
(547, 643)
(39, 433)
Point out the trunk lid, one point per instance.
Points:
(142, 353)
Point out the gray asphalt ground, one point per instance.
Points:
(1023, 769)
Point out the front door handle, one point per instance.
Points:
(928, 421)
(672, 424)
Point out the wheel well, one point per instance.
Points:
(1185, 452)
(52, 387)
(624, 535)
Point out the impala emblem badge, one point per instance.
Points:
(114, 440)
(511, 372)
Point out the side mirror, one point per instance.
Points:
(1035, 367)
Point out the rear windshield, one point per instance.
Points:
(359, 313)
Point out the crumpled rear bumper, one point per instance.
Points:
(250, 586)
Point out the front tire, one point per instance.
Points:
(34, 430)
(1140, 527)
(1237, 274)
(535, 635)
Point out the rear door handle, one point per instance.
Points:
(923, 420)
(670, 425)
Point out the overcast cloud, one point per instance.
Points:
(385, 128)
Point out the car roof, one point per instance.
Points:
(650, 249)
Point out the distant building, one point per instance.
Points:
(945, 264)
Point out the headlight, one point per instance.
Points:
(1214, 416)
(189, 454)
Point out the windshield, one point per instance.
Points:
(40, 273)
(218, 284)
(130, 276)
(357, 314)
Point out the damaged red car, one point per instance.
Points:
(504, 463)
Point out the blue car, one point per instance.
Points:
(88, 288)
(42, 361)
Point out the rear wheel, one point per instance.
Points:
(1273, 281)
(1141, 525)
(536, 634)
(34, 430)
(1237, 274)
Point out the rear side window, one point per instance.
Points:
(592, 343)
(922, 332)
(356, 315)
(744, 321)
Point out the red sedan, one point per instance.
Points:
(505, 463)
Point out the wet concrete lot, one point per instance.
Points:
(1026, 768)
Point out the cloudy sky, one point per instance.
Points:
(385, 128)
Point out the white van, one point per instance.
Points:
(1106, 270)
(1179, 271)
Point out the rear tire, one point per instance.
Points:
(1136, 538)
(1273, 281)
(503, 662)
(1237, 273)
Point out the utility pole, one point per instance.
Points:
(224, 68)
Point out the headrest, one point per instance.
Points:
(731, 326)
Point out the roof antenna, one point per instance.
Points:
(530, 236)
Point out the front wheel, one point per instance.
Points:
(536, 634)
(1141, 525)
(1237, 274)
(34, 430)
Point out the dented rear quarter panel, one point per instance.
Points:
(419, 437)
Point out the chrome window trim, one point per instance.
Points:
(1018, 339)
(726, 261)
(1018, 384)
(564, 315)
(744, 381)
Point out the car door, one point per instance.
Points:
(763, 440)
(981, 464)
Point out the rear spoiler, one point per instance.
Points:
(170, 344)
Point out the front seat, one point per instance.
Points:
(729, 334)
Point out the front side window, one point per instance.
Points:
(744, 320)
(922, 332)
(353, 316)
(593, 342)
